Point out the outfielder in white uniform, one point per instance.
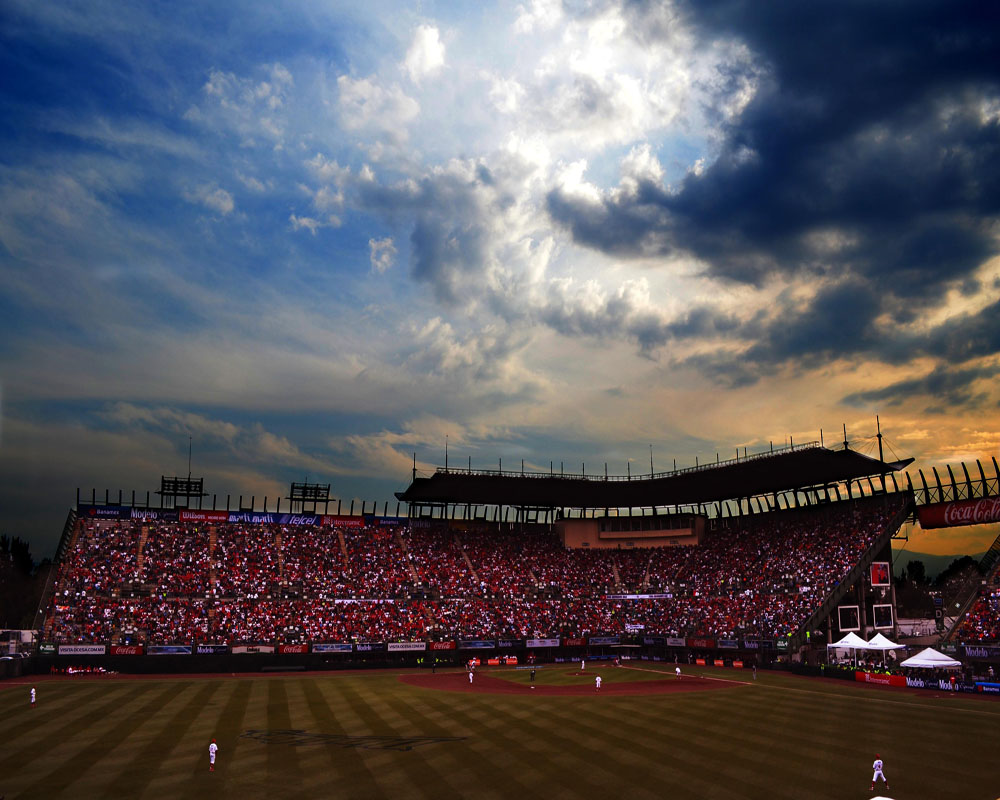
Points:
(677, 671)
(877, 767)
(597, 683)
(213, 748)
(470, 676)
(32, 696)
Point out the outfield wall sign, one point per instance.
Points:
(211, 649)
(370, 647)
(508, 644)
(125, 650)
(168, 650)
(604, 640)
(541, 643)
(576, 641)
(293, 648)
(729, 644)
(254, 648)
(701, 644)
(333, 647)
(477, 644)
(407, 647)
(442, 646)
(47, 649)
(981, 652)
(82, 649)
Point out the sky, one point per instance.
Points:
(317, 238)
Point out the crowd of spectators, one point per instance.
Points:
(169, 582)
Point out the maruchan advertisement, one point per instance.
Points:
(211, 649)
(333, 647)
(407, 647)
(168, 650)
(293, 648)
(125, 650)
(442, 646)
(254, 648)
(82, 649)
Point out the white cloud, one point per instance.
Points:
(426, 54)
(212, 197)
(365, 103)
(382, 253)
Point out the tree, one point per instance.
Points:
(916, 571)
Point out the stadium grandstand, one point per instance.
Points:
(764, 557)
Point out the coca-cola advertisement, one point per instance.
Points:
(125, 650)
(293, 648)
(961, 512)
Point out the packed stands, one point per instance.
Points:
(162, 582)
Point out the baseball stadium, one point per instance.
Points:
(724, 631)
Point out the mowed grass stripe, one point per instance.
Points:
(281, 759)
(353, 772)
(506, 746)
(123, 721)
(30, 724)
(420, 780)
(467, 763)
(167, 735)
(49, 740)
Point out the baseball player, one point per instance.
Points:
(877, 767)
(597, 683)
(213, 748)
(532, 677)
(677, 672)
(470, 676)
(33, 696)
(583, 665)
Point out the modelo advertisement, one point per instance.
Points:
(168, 650)
(155, 514)
(508, 644)
(254, 648)
(82, 649)
(125, 650)
(293, 648)
(370, 647)
(407, 647)
(333, 647)
(211, 649)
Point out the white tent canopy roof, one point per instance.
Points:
(851, 640)
(930, 658)
(880, 642)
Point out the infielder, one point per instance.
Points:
(597, 683)
(213, 748)
(677, 672)
(877, 766)
(470, 676)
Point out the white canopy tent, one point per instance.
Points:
(880, 642)
(851, 642)
(930, 658)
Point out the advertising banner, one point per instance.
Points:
(879, 573)
(541, 643)
(782, 644)
(674, 641)
(656, 641)
(661, 596)
(168, 650)
(702, 644)
(576, 641)
(82, 649)
(391, 520)
(729, 644)
(158, 514)
(268, 518)
(738, 664)
(253, 648)
(476, 644)
(202, 516)
(47, 649)
(407, 647)
(915, 683)
(508, 644)
(883, 680)
(750, 644)
(700, 662)
(333, 647)
(961, 512)
(370, 647)
(211, 649)
(604, 641)
(125, 650)
(442, 646)
(988, 688)
(976, 651)
(102, 512)
(293, 648)
(718, 662)
(344, 522)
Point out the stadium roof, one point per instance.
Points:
(762, 474)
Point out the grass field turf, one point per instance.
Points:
(779, 737)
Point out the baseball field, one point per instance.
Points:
(714, 733)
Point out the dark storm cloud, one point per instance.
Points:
(869, 156)
(946, 387)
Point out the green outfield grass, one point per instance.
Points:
(779, 737)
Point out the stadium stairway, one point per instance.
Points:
(143, 535)
(855, 574)
(468, 561)
(343, 552)
(406, 555)
(617, 575)
(989, 560)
